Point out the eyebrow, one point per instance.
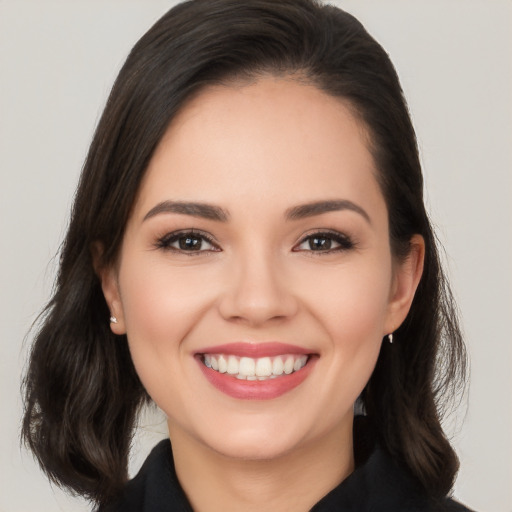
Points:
(204, 210)
(319, 207)
(212, 212)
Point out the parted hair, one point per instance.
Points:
(81, 392)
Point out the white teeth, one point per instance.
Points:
(277, 366)
(288, 365)
(262, 368)
(247, 367)
(297, 365)
(232, 365)
(223, 364)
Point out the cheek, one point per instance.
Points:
(156, 300)
(160, 308)
(351, 305)
(350, 298)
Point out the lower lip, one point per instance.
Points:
(256, 389)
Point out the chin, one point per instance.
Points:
(253, 446)
(256, 438)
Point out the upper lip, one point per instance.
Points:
(255, 350)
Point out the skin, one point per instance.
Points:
(256, 151)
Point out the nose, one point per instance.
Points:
(258, 290)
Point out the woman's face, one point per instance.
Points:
(255, 281)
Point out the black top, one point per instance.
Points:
(377, 485)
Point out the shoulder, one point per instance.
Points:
(155, 488)
(454, 506)
(380, 484)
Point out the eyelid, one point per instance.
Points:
(164, 242)
(345, 242)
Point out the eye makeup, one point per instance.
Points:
(325, 241)
(194, 242)
(187, 241)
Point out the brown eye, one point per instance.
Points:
(320, 243)
(189, 242)
(325, 242)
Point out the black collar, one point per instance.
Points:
(378, 484)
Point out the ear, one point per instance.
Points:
(406, 277)
(108, 276)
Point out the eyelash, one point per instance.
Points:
(165, 242)
(344, 241)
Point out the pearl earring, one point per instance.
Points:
(113, 319)
(390, 338)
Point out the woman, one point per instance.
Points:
(249, 249)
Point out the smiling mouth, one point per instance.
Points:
(249, 368)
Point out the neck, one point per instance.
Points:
(294, 481)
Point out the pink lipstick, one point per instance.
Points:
(255, 371)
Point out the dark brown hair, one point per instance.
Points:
(82, 393)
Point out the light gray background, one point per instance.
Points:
(58, 60)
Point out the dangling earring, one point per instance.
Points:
(390, 337)
(113, 319)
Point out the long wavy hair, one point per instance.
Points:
(82, 394)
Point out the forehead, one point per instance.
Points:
(275, 138)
